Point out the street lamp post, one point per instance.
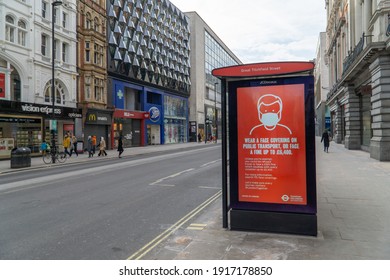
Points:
(53, 132)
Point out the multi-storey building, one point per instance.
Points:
(92, 68)
(207, 53)
(26, 72)
(148, 71)
(321, 85)
(359, 64)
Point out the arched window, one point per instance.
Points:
(59, 93)
(88, 21)
(22, 32)
(96, 25)
(10, 29)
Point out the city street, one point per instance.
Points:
(103, 209)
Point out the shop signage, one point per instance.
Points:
(154, 114)
(131, 114)
(96, 117)
(39, 109)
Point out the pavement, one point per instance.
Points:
(353, 193)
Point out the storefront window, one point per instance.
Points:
(19, 131)
(175, 119)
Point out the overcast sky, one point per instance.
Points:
(263, 30)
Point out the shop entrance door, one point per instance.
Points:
(154, 135)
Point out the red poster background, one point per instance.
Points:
(272, 163)
(2, 85)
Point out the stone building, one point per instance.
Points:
(359, 70)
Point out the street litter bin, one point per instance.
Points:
(20, 157)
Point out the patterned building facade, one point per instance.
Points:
(148, 71)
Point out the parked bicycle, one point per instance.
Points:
(47, 156)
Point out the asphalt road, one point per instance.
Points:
(107, 209)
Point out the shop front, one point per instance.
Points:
(131, 126)
(28, 125)
(175, 119)
(98, 123)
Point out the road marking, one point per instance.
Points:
(158, 182)
(211, 188)
(209, 163)
(196, 226)
(160, 238)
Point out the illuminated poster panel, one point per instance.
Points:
(271, 144)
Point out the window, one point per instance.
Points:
(88, 21)
(87, 87)
(64, 52)
(87, 52)
(99, 88)
(55, 49)
(44, 45)
(59, 93)
(98, 55)
(96, 25)
(22, 33)
(55, 15)
(64, 20)
(10, 29)
(44, 9)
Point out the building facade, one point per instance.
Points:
(321, 86)
(26, 72)
(207, 53)
(92, 68)
(148, 71)
(359, 63)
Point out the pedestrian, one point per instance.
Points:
(199, 137)
(67, 144)
(120, 146)
(326, 139)
(44, 147)
(93, 144)
(89, 146)
(102, 147)
(74, 145)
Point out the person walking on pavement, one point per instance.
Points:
(102, 147)
(326, 139)
(74, 145)
(67, 144)
(120, 146)
(89, 146)
(93, 144)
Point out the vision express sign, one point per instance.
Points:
(39, 109)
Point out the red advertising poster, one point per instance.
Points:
(2, 85)
(271, 144)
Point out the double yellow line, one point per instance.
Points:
(152, 244)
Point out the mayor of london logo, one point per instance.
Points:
(154, 114)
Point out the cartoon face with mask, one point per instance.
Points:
(269, 109)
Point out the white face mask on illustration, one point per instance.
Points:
(270, 119)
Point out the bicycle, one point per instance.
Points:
(47, 156)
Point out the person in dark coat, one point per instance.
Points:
(326, 139)
(120, 146)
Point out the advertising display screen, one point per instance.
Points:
(272, 156)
